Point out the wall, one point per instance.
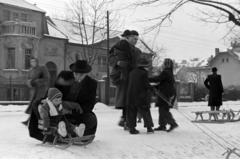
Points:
(230, 71)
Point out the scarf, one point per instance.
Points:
(53, 109)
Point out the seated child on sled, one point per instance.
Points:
(52, 113)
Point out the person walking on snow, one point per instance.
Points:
(167, 89)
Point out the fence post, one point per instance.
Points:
(102, 92)
(10, 87)
(191, 90)
(177, 86)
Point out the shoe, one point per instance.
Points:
(121, 122)
(25, 123)
(161, 128)
(126, 128)
(62, 129)
(79, 130)
(173, 126)
(134, 131)
(150, 131)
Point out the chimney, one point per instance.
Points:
(216, 51)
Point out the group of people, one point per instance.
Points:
(133, 89)
(67, 106)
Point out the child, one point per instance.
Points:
(139, 97)
(121, 59)
(52, 113)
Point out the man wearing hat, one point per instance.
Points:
(214, 84)
(77, 86)
(139, 97)
(121, 61)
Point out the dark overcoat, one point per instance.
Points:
(214, 85)
(121, 89)
(38, 82)
(166, 86)
(139, 90)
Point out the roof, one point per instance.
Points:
(73, 34)
(233, 53)
(61, 28)
(22, 4)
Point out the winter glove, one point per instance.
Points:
(72, 105)
(66, 111)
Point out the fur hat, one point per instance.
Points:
(54, 93)
(168, 63)
(142, 62)
(126, 33)
(214, 69)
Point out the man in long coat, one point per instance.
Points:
(214, 85)
(121, 89)
(38, 82)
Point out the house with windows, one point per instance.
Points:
(25, 32)
(228, 65)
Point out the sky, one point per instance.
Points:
(189, 141)
(185, 39)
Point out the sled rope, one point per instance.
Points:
(170, 104)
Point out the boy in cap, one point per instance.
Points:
(139, 96)
(52, 113)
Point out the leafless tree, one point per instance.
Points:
(216, 11)
(88, 20)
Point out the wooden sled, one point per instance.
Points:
(227, 116)
(63, 143)
(209, 121)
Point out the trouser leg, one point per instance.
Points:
(146, 115)
(167, 116)
(131, 117)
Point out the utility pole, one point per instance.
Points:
(107, 82)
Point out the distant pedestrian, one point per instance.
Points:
(167, 89)
(38, 82)
(139, 97)
(214, 85)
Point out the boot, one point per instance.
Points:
(173, 126)
(121, 122)
(161, 128)
(150, 130)
(62, 129)
(134, 131)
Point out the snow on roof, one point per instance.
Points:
(74, 36)
(54, 32)
(22, 4)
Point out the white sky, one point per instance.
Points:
(186, 38)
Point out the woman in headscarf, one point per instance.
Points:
(167, 91)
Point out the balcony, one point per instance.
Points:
(18, 28)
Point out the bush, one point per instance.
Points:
(199, 93)
(231, 93)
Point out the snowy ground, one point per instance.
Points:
(189, 141)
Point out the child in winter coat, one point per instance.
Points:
(52, 113)
(139, 97)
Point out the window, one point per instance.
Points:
(6, 15)
(28, 55)
(11, 58)
(15, 16)
(227, 59)
(23, 17)
(222, 60)
(102, 64)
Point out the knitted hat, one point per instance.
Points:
(54, 93)
(168, 63)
